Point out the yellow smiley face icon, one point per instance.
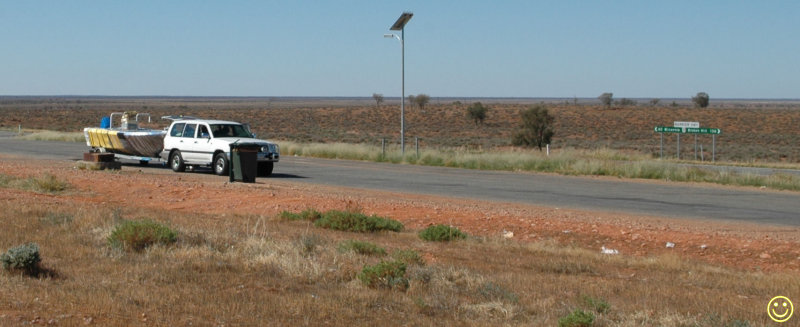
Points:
(780, 309)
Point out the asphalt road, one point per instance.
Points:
(666, 200)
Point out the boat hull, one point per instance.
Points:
(140, 143)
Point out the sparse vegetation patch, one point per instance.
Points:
(361, 247)
(137, 235)
(308, 214)
(385, 274)
(410, 257)
(47, 183)
(357, 222)
(441, 233)
(577, 318)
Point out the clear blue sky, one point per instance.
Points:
(729, 49)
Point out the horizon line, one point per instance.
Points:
(370, 97)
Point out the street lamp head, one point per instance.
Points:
(401, 22)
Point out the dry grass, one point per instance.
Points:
(597, 162)
(53, 136)
(257, 270)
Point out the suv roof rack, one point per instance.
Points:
(179, 117)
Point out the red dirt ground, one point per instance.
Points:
(738, 245)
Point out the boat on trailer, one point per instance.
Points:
(126, 140)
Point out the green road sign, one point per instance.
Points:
(703, 130)
(688, 130)
(664, 129)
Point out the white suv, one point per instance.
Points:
(201, 142)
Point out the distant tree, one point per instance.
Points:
(536, 128)
(701, 99)
(421, 100)
(654, 102)
(378, 99)
(477, 112)
(412, 99)
(674, 104)
(625, 102)
(606, 99)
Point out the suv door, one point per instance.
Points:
(171, 141)
(187, 143)
(202, 144)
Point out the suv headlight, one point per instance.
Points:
(270, 148)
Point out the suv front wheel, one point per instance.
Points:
(265, 168)
(221, 164)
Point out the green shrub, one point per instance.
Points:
(385, 274)
(48, 184)
(441, 233)
(138, 234)
(409, 257)
(577, 318)
(598, 305)
(365, 248)
(356, 222)
(308, 214)
(24, 258)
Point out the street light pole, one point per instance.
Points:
(400, 25)
(403, 91)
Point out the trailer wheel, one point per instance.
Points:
(221, 164)
(176, 162)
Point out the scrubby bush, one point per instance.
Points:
(409, 257)
(23, 258)
(138, 234)
(360, 247)
(308, 214)
(441, 233)
(385, 274)
(356, 222)
(598, 305)
(48, 184)
(577, 318)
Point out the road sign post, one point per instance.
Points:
(689, 128)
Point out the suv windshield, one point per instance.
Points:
(230, 130)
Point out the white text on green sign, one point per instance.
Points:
(664, 129)
(703, 130)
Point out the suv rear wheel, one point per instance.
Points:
(176, 162)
